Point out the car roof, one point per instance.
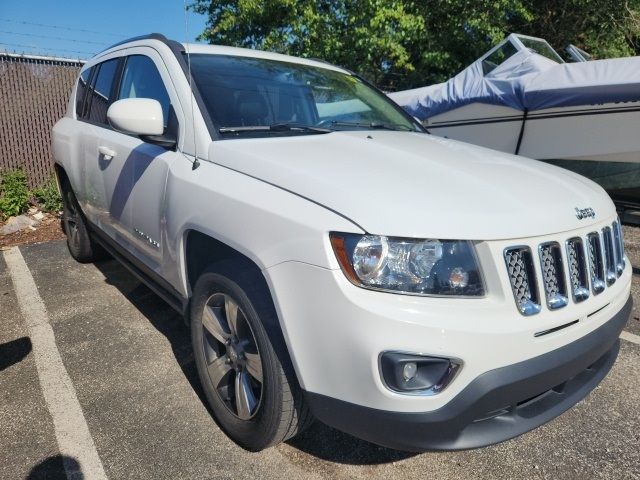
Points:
(200, 48)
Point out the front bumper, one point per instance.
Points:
(336, 331)
(496, 406)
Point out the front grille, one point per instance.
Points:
(553, 280)
(595, 262)
(523, 279)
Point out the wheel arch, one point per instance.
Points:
(66, 179)
(61, 176)
(201, 251)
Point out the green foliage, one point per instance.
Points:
(48, 196)
(458, 32)
(604, 28)
(409, 43)
(372, 36)
(14, 193)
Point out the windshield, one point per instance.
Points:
(511, 45)
(541, 47)
(498, 57)
(576, 54)
(269, 95)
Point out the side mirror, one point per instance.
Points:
(138, 116)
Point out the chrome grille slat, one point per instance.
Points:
(618, 243)
(553, 279)
(596, 265)
(522, 277)
(578, 278)
(609, 256)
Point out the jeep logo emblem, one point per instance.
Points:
(582, 213)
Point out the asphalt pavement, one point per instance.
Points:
(128, 359)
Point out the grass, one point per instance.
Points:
(15, 196)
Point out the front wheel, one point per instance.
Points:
(248, 384)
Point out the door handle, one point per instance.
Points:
(106, 152)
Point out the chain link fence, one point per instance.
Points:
(34, 92)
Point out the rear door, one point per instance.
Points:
(85, 146)
(92, 113)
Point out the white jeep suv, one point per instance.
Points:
(333, 259)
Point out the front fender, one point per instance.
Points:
(266, 224)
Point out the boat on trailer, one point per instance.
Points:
(521, 97)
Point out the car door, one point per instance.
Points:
(86, 145)
(136, 186)
(94, 191)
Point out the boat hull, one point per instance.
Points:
(620, 179)
(601, 142)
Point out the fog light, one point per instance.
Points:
(418, 374)
(409, 371)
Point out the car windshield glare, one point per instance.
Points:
(257, 92)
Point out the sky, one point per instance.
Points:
(79, 29)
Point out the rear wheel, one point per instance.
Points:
(79, 243)
(248, 383)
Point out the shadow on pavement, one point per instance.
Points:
(332, 445)
(319, 441)
(14, 351)
(164, 319)
(53, 468)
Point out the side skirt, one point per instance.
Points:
(147, 276)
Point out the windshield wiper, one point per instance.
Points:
(275, 127)
(375, 125)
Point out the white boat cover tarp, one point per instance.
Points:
(529, 81)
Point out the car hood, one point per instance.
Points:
(418, 185)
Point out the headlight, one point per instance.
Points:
(407, 265)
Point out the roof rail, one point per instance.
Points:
(149, 36)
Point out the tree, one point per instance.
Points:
(373, 37)
(604, 28)
(458, 32)
(409, 43)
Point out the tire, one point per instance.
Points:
(233, 352)
(79, 243)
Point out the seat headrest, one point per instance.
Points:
(252, 108)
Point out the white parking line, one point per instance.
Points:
(72, 433)
(630, 337)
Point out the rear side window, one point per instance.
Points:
(141, 79)
(83, 85)
(99, 95)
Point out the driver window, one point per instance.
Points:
(141, 79)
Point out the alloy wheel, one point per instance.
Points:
(71, 220)
(232, 358)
